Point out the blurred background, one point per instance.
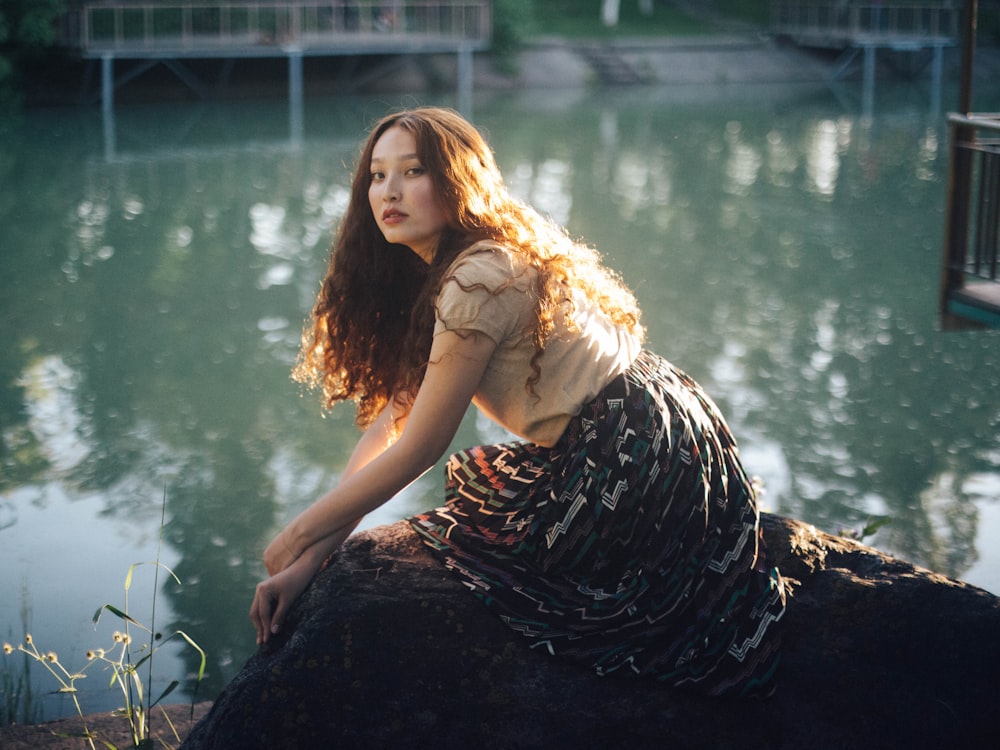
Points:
(778, 204)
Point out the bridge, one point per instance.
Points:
(168, 33)
(867, 27)
(841, 24)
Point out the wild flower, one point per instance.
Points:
(869, 529)
(120, 660)
(67, 680)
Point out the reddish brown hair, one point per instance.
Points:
(370, 332)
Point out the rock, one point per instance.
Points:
(389, 651)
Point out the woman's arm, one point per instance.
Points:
(455, 368)
(383, 463)
(382, 433)
(380, 467)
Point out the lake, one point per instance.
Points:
(784, 244)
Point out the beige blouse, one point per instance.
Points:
(575, 366)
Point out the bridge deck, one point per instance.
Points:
(269, 28)
(308, 45)
(832, 39)
(836, 24)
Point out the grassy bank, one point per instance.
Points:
(582, 18)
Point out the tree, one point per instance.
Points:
(27, 28)
(610, 9)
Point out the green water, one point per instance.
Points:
(154, 280)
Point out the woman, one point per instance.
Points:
(621, 530)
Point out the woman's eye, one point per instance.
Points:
(377, 176)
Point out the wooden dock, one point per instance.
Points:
(265, 29)
(173, 32)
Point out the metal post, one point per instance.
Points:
(108, 104)
(959, 174)
(107, 82)
(968, 56)
(868, 91)
(295, 126)
(936, 79)
(465, 82)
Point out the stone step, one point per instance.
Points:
(610, 66)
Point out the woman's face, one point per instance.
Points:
(402, 195)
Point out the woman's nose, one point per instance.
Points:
(391, 191)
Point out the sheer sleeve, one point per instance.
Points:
(483, 292)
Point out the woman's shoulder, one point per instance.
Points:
(484, 251)
(486, 262)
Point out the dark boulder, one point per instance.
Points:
(389, 651)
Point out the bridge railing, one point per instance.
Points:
(972, 240)
(844, 21)
(120, 26)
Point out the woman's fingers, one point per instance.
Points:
(275, 596)
(261, 611)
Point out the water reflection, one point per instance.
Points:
(784, 249)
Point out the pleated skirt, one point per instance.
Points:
(632, 546)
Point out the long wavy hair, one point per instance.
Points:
(369, 335)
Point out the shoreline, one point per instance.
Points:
(723, 58)
(543, 63)
(67, 733)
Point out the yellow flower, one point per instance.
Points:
(91, 656)
(51, 656)
(126, 638)
(8, 649)
(27, 639)
(117, 637)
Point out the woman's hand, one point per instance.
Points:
(275, 596)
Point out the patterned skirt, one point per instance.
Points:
(631, 546)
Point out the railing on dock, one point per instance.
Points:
(171, 32)
(841, 23)
(970, 283)
(248, 29)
